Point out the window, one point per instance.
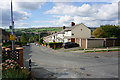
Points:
(72, 34)
(81, 29)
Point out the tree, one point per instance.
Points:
(111, 30)
(24, 38)
(41, 41)
(99, 33)
(107, 31)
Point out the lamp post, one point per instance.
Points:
(12, 22)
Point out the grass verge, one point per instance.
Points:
(103, 50)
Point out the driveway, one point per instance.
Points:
(55, 64)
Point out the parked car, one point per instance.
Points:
(70, 44)
(28, 44)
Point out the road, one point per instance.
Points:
(58, 64)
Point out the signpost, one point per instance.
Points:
(12, 37)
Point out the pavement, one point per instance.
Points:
(49, 63)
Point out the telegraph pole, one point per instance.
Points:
(12, 22)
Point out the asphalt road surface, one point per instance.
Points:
(48, 63)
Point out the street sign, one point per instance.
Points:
(12, 37)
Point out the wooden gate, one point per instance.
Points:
(83, 43)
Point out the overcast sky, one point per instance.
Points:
(57, 13)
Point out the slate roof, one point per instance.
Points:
(74, 27)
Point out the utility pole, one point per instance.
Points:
(12, 22)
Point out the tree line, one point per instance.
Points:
(107, 31)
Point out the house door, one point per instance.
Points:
(72, 39)
(77, 41)
(83, 43)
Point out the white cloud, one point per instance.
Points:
(18, 13)
(64, 20)
(91, 15)
(71, 10)
(30, 5)
(21, 24)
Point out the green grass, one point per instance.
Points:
(6, 45)
(57, 48)
(15, 73)
(103, 50)
(79, 49)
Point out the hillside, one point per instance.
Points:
(48, 30)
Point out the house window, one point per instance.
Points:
(72, 34)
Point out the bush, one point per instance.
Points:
(11, 69)
(7, 44)
(55, 44)
(41, 41)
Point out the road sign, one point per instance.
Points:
(12, 37)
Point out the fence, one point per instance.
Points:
(17, 55)
(9, 55)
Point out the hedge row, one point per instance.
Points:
(55, 44)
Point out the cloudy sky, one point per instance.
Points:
(54, 13)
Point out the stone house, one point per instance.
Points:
(76, 31)
(4, 36)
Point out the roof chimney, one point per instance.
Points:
(63, 27)
(72, 24)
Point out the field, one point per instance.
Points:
(18, 32)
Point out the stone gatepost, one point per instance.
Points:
(20, 49)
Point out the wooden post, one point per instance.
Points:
(107, 49)
(54, 46)
(94, 49)
(30, 65)
(84, 49)
(20, 49)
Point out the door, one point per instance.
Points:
(72, 39)
(83, 43)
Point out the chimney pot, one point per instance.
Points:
(72, 24)
(63, 27)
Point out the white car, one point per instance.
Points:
(28, 44)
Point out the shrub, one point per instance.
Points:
(55, 44)
(11, 69)
(41, 41)
(10, 64)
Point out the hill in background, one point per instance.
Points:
(49, 30)
(44, 31)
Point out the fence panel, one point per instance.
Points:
(9, 55)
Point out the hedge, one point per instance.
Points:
(55, 44)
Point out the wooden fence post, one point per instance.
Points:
(107, 49)
(94, 49)
(54, 46)
(84, 49)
